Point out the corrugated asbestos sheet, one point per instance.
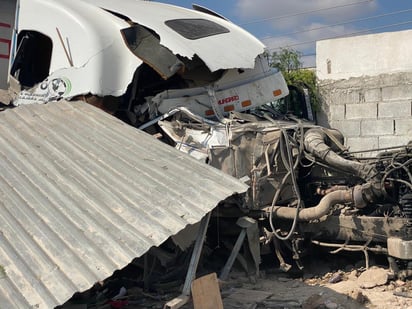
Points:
(82, 194)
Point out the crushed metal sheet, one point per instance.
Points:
(82, 194)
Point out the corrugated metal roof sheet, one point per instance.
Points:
(82, 194)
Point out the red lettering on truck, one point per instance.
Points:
(5, 41)
(228, 100)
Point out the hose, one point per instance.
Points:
(315, 144)
(316, 212)
(291, 167)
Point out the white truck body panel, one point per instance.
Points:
(90, 52)
(101, 62)
(238, 48)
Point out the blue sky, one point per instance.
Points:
(298, 24)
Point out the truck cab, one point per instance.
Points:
(138, 64)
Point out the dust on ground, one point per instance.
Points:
(327, 281)
(330, 282)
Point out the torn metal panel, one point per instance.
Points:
(86, 29)
(241, 147)
(83, 194)
(146, 46)
(145, 58)
(90, 54)
(237, 90)
(239, 48)
(89, 38)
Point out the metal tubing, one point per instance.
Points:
(197, 250)
(315, 144)
(316, 212)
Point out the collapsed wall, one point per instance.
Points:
(371, 112)
(365, 84)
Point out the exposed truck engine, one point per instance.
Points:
(164, 76)
(306, 184)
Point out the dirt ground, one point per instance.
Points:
(323, 284)
(329, 281)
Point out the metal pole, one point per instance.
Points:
(197, 250)
(191, 272)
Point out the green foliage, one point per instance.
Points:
(304, 78)
(288, 61)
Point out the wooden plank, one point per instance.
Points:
(206, 293)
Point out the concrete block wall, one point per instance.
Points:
(366, 88)
(372, 112)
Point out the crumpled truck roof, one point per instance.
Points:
(238, 48)
(83, 194)
(88, 46)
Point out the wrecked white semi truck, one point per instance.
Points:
(203, 85)
(139, 63)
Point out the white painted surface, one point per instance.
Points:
(92, 38)
(235, 49)
(102, 62)
(366, 55)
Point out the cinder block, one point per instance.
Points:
(401, 92)
(391, 141)
(373, 95)
(362, 111)
(337, 112)
(398, 109)
(377, 127)
(343, 96)
(403, 127)
(336, 98)
(362, 143)
(349, 128)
